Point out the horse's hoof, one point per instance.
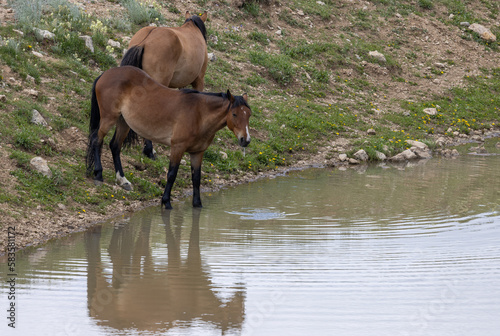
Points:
(197, 205)
(168, 206)
(98, 183)
(127, 186)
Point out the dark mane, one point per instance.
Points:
(198, 23)
(238, 100)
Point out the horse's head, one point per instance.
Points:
(238, 117)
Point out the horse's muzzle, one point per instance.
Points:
(244, 141)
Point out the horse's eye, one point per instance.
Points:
(234, 115)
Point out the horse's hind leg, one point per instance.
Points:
(115, 145)
(96, 149)
(148, 149)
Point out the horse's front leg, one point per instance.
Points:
(196, 160)
(173, 168)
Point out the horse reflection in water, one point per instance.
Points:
(145, 296)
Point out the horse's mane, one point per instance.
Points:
(198, 23)
(238, 100)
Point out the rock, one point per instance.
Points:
(449, 153)
(465, 24)
(31, 92)
(343, 157)
(37, 118)
(478, 150)
(409, 154)
(223, 155)
(278, 32)
(441, 142)
(417, 144)
(40, 165)
(421, 153)
(431, 111)
(353, 161)
(88, 42)
(37, 54)
(483, 32)
(41, 35)
(320, 3)
(212, 57)
(403, 156)
(377, 55)
(477, 138)
(361, 155)
(380, 156)
(371, 131)
(3, 98)
(30, 79)
(114, 44)
(440, 65)
(497, 145)
(61, 206)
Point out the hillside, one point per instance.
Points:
(324, 78)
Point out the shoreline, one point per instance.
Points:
(41, 227)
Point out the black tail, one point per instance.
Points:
(95, 120)
(133, 57)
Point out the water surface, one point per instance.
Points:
(380, 250)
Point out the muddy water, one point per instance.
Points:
(383, 250)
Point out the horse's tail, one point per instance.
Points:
(133, 57)
(95, 120)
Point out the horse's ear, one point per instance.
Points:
(204, 16)
(187, 15)
(245, 97)
(230, 96)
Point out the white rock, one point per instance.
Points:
(37, 118)
(88, 42)
(371, 131)
(114, 44)
(223, 155)
(431, 111)
(484, 32)
(343, 157)
(377, 55)
(41, 34)
(40, 165)
(418, 144)
(361, 155)
(380, 156)
(31, 92)
(212, 57)
(37, 54)
(408, 154)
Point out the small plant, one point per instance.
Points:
(142, 13)
(279, 66)
(426, 4)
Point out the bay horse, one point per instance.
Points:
(186, 120)
(175, 57)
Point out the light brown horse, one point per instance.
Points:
(185, 120)
(175, 57)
